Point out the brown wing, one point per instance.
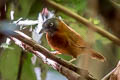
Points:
(75, 39)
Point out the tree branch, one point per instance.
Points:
(106, 77)
(71, 75)
(114, 74)
(84, 21)
(65, 71)
(62, 65)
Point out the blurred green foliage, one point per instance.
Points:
(28, 68)
(9, 61)
(29, 9)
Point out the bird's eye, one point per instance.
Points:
(51, 24)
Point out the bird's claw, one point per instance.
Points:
(73, 59)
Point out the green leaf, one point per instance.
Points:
(4, 45)
(28, 69)
(96, 21)
(9, 61)
(25, 7)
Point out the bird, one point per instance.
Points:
(65, 40)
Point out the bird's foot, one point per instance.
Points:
(73, 59)
(55, 52)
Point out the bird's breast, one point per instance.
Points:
(58, 42)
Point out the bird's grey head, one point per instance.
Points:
(50, 26)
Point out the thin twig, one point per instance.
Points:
(113, 74)
(21, 61)
(84, 21)
(106, 77)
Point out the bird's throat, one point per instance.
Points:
(51, 34)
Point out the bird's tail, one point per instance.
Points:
(96, 55)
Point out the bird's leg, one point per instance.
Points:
(55, 52)
(73, 59)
